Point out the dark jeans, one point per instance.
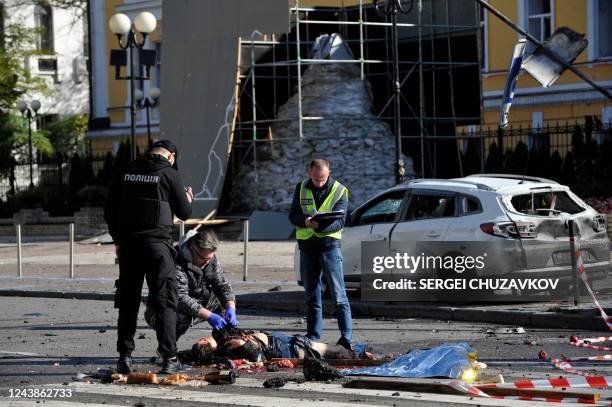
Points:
(312, 267)
(155, 262)
(185, 321)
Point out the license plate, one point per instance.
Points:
(563, 258)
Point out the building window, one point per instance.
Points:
(603, 29)
(538, 20)
(85, 37)
(44, 23)
(483, 39)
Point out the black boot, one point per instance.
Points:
(124, 365)
(345, 344)
(171, 365)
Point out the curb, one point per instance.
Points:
(579, 321)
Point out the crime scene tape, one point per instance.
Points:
(470, 389)
(561, 382)
(588, 343)
(564, 364)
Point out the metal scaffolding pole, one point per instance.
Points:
(254, 110)
(421, 90)
(364, 47)
(361, 63)
(299, 71)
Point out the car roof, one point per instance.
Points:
(504, 183)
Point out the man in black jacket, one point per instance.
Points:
(203, 292)
(142, 202)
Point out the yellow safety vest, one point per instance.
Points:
(309, 207)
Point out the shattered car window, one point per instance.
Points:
(548, 203)
(384, 210)
(431, 206)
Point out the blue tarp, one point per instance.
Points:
(447, 360)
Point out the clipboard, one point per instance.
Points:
(333, 215)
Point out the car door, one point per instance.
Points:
(427, 216)
(373, 221)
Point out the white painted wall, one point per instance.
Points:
(68, 86)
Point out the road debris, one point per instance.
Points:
(282, 363)
(315, 369)
(274, 382)
(142, 378)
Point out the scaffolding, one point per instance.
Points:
(361, 28)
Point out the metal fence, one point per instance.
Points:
(577, 154)
(53, 171)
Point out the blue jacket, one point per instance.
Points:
(297, 217)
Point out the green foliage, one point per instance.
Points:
(67, 134)
(52, 198)
(15, 82)
(15, 78)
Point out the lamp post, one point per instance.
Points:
(121, 26)
(29, 112)
(391, 8)
(149, 102)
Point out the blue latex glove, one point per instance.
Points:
(216, 322)
(230, 317)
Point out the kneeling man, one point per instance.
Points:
(203, 292)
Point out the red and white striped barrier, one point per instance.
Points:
(470, 389)
(559, 383)
(564, 364)
(583, 276)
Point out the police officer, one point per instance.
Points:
(319, 244)
(142, 201)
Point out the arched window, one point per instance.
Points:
(44, 22)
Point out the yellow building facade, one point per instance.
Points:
(569, 99)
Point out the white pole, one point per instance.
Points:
(71, 248)
(181, 229)
(19, 270)
(245, 236)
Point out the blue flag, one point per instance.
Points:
(515, 68)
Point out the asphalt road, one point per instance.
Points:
(44, 342)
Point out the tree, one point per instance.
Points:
(15, 82)
(67, 134)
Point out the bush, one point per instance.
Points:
(30, 199)
(92, 195)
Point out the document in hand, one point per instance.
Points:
(333, 215)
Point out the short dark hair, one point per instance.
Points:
(318, 163)
(205, 239)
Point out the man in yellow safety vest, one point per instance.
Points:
(319, 244)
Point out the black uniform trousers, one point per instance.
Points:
(185, 321)
(155, 261)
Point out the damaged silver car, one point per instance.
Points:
(525, 217)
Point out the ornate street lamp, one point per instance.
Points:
(391, 8)
(121, 25)
(149, 102)
(29, 112)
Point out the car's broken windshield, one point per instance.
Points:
(545, 203)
